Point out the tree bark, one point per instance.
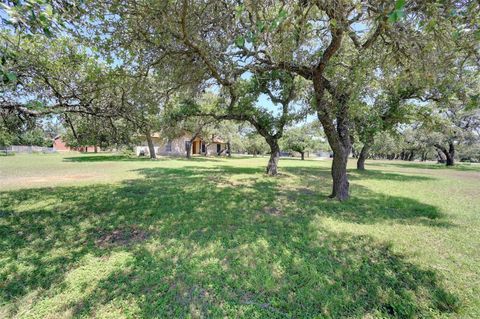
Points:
(229, 149)
(302, 154)
(448, 155)
(151, 148)
(190, 145)
(441, 158)
(411, 156)
(272, 167)
(95, 149)
(339, 140)
(339, 175)
(206, 149)
(364, 154)
(450, 161)
(188, 148)
(451, 154)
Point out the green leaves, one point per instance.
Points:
(239, 10)
(48, 10)
(260, 27)
(6, 58)
(398, 12)
(33, 16)
(473, 102)
(240, 41)
(7, 77)
(12, 77)
(281, 16)
(399, 4)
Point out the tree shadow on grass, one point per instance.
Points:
(213, 249)
(354, 174)
(380, 175)
(365, 206)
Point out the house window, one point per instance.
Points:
(168, 147)
(187, 145)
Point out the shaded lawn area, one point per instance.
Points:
(217, 238)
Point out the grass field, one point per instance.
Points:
(107, 236)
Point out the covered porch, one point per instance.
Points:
(200, 147)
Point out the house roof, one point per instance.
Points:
(155, 134)
(217, 139)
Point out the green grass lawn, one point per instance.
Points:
(107, 236)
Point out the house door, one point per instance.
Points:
(194, 151)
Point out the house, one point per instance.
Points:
(61, 146)
(214, 145)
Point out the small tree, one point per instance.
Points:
(282, 90)
(300, 139)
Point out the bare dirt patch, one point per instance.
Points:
(124, 236)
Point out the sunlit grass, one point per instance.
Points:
(114, 237)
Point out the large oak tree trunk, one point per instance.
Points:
(339, 175)
(450, 161)
(448, 155)
(303, 155)
(451, 154)
(339, 140)
(272, 167)
(151, 148)
(364, 154)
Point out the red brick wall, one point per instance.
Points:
(60, 145)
